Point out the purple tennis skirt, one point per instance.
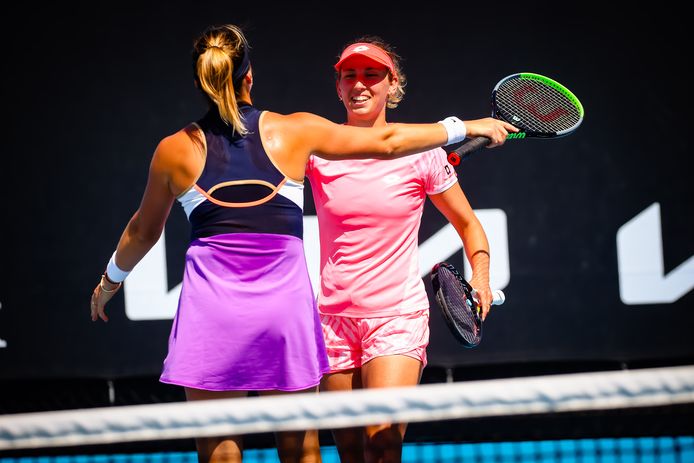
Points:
(247, 317)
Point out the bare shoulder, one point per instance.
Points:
(292, 132)
(189, 139)
(276, 120)
(181, 147)
(180, 158)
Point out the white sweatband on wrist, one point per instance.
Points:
(114, 273)
(455, 128)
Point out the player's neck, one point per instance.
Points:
(379, 121)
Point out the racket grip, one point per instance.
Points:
(498, 297)
(469, 147)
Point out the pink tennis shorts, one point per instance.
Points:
(351, 342)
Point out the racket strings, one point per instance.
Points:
(460, 306)
(535, 106)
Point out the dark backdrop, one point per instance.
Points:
(89, 92)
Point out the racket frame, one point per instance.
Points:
(447, 315)
(468, 147)
(545, 81)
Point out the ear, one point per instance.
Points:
(337, 89)
(393, 88)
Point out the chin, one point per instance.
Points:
(362, 111)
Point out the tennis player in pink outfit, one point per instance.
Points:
(373, 304)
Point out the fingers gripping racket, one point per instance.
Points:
(537, 105)
(458, 304)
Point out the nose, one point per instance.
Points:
(359, 83)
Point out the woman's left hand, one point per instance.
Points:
(483, 294)
(103, 293)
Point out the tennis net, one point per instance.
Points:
(661, 391)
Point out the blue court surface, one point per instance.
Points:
(613, 450)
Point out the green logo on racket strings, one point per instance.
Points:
(515, 135)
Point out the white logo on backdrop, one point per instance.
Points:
(642, 278)
(147, 296)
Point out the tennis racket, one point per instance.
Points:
(458, 303)
(537, 105)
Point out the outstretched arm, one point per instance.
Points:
(298, 135)
(402, 139)
(455, 207)
(147, 223)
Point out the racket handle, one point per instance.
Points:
(467, 148)
(498, 296)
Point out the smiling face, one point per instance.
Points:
(363, 85)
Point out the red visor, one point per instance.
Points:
(367, 50)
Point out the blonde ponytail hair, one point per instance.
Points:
(220, 55)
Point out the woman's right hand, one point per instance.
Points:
(103, 293)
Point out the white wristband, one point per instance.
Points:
(455, 128)
(114, 273)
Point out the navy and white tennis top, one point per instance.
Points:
(240, 189)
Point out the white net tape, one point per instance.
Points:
(434, 402)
